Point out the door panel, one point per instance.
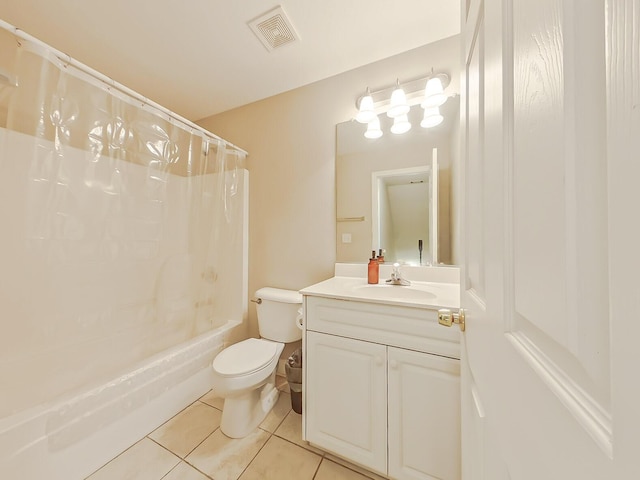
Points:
(472, 413)
(474, 166)
(424, 416)
(346, 398)
(551, 94)
(559, 231)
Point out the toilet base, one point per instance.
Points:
(241, 414)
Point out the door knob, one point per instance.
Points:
(446, 318)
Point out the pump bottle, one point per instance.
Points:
(373, 274)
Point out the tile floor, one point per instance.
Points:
(190, 446)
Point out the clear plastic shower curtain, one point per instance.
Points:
(121, 228)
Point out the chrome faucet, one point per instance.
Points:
(396, 278)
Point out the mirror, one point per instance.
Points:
(395, 192)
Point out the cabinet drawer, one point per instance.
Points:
(405, 327)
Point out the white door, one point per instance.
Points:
(551, 129)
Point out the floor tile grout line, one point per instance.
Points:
(185, 458)
(120, 454)
(315, 474)
(257, 453)
(321, 455)
(175, 466)
(205, 438)
(151, 432)
(172, 417)
(197, 469)
(168, 450)
(349, 468)
(200, 443)
(190, 451)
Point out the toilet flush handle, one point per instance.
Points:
(258, 301)
(300, 319)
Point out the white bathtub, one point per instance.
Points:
(75, 436)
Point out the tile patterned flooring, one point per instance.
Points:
(190, 446)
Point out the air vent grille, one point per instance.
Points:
(274, 29)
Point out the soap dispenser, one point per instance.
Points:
(373, 274)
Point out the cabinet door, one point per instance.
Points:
(346, 398)
(424, 416)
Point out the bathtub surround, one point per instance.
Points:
(71, 438)
(124, 261)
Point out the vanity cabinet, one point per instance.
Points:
(423, 415)
(346, 398)
(382, 387)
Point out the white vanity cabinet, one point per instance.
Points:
(346, 398)
(381, 387)
(423, 415)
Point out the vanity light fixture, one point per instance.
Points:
(434, 95)
(432, 117)
(399, 105)
(373, 128)
(396, 101)
(400, 125)
(366, 113)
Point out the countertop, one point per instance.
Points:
(426, 295)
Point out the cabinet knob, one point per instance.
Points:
(378, 360)
(393, 364)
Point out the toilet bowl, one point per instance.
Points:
(244, 373)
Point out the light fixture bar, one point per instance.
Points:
(413, 90)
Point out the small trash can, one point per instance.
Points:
(293, 369)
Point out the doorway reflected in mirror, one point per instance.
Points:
(387, 196)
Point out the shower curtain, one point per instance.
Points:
(120, 231)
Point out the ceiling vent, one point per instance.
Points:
(273, 29)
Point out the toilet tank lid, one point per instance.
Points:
(279, 295)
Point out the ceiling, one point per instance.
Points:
(199, 57)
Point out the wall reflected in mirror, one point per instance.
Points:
(395, 192)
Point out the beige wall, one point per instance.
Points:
(291, 143)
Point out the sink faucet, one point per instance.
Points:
(396, 278)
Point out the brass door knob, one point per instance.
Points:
(446, 318)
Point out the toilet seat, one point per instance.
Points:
(245, 357)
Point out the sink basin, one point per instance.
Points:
(393, 292)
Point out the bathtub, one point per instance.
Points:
(73, 437)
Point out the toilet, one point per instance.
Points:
(244, 373)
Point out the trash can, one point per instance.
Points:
(293, 368)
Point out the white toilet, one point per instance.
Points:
(244, 373)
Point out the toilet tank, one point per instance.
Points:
(277, 311)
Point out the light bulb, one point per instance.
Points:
(366, 112)
(400, 125)
(432, 117)
(399, 104)
(373, 128)
(434, 93)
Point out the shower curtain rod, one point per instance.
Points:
(111, 83)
